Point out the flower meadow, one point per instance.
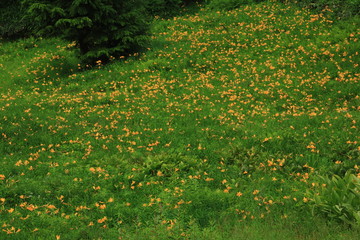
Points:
(218, 131)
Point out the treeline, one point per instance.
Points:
(108, 28)
(16, 16)
(101, 28)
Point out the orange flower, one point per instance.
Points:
(101, 220)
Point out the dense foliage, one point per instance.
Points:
(164, 8)
(336, 8)
(168, 8)
(337, 198)
(101, 28)
(13, 25)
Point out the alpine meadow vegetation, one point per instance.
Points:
(235, 123)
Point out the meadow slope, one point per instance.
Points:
(216, 131)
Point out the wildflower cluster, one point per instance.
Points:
(230, 115)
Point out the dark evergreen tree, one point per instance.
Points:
(13, 25)
(101, 28)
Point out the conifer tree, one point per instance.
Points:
(101, 28)
(13, 25)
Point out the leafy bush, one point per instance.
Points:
(337, 198)
(101, 28)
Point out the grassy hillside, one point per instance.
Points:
(217, 132)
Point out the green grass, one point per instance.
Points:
(216, 132)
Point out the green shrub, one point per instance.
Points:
(101, 28)
(337, 198)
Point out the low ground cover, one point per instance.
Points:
(221, 128)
